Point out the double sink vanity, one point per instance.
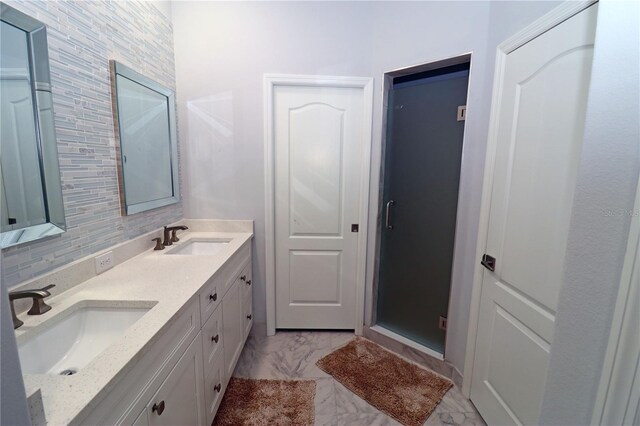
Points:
(135, 334)
(152, 341)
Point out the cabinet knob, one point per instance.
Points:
(217, 387)
(215, 338)
(249, 317)
(248, 282)
(159, 408)
(243, 278)
(213, 296)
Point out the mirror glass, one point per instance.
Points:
(30, 190)
(145, 120)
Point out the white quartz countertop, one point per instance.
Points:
(153, 276)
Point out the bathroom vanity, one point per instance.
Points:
(127, 335)
(153, 341)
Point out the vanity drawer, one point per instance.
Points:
(210, 297)
(214, 387)
(212, 342)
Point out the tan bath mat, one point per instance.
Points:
(394, 386)
(267, 402)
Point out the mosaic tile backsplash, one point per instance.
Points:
(83, 36)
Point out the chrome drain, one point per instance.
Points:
(68, 372)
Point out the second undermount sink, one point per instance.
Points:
(200, 247)
(76, 337)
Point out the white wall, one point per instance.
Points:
(602, 212)
(223, 49)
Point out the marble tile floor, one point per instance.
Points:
(293, 354)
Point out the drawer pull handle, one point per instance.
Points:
(217, 387)
(215, 338)
(159, 408)
(249, 317)
(213, 296)
(243, 278)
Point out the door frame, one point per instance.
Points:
(387, 86)
(541, 25)
(271, 81)
(623, 351)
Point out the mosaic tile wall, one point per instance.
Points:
(83, 36)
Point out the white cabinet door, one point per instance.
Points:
(247, 300)
(247, 317)
(539, 138)
(232, 327)
(180, 398)
(319, 139)
(246, 278)
(214, 386)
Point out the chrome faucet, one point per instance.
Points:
(170, 234)
(38, 307)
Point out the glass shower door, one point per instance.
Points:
(420, 196)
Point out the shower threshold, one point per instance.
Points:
(408, 342)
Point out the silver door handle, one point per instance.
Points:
(387, 219)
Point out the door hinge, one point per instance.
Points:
(488, 262)
(462, 113)
(442, 323)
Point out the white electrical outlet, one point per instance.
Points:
(104, 262)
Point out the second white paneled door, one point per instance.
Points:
(538, 140)
(319, 137)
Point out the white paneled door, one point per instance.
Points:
(319, 138)
(540, 121)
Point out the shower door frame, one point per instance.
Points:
(387, 86)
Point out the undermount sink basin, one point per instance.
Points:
(200, 247)
(75, 338)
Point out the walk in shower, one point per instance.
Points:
(421, 173)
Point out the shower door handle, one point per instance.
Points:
(388, 219)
